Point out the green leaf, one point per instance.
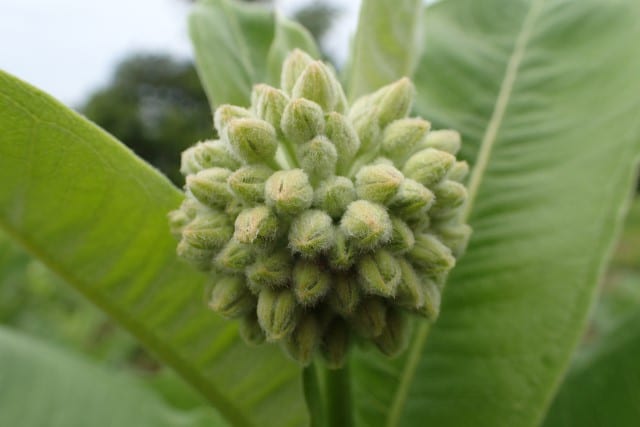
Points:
(553, 136)
(603, 388)
(386, 45)
(41, 386)
(238, 45)
(96, 215)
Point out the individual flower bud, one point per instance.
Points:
(345, 294)
(444, 140)
(316, 84)
(370, 317)
(294, 65)
(289, 192)
(402, 136)
(366, 224)
(431, 254)
(455, 236)
(318, 157)
(230, 297)
(252, 140)
(209, 186)
(410, 293)
(225, 114)
(268, 103)
(334, 195)
(302, 120)
(335, 344)
(311, 233)
(344, 137)
(257, 223)
(234, 256)
(207, 154)
(458, 171)
(311, 282)
(402, 238)
(178, 219)
(429, 166)
(304, 340)
(247, 183)
(270, 270)
(277, 313)
(432, 299)
(395, 335)
(412, 199)
(198, 257)
(250, 330)
(190, 207)
(395, 101)
(378, 183)
(379, 273)
(209, 231)
(368, 132)
(342, 253)
(449, 195)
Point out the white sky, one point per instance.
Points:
(70, 47)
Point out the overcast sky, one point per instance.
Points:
(69, 47)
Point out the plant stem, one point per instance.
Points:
(313, 395)
(338, 393)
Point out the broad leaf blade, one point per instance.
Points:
(553, 137)
(63, 390)
(96, 215)
(386, 45)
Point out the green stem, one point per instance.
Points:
(313, 395)
(338, 392)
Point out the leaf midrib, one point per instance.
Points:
(479, 169)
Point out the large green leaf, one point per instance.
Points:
(545, 94)
(41, 386)
(96, 215)
(386, 45)
(237, 45)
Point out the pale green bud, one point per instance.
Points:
(345, 294)
(209, 186)
(304, 340)
(277, 313)
(410, 292)
(211, 231)
(432, 299)
(311, 233)
(302, 120)
(198, 257)
(401, 137)
(258, 223)
(270, 270)
(234, 257)
(402, 238)
(379, 273)
(225, 114)
(455, 236)
(190, 207)
(268, 103)
(207, 154)
(342, 253)
(431, 254)
(230, 297)
(335, 344)
(444, 140)
(429, 166)
(311, 282)
(178, 219)
(369, 133)
(366, 224)
(334, 195)
(292, 68)
(253, 140)
(370, 317)
(458, 171)
(344, 137)
(395, 336)
(378, 183)
(250, 329)
(412, 199)
(395, 101)
(316, 83)
(289, 191)
(318, 157)
(449, 196)
(247, 183)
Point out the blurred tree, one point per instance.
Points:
(155, 105)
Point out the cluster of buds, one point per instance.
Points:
(322, 224)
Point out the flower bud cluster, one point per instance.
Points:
(323, 224)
